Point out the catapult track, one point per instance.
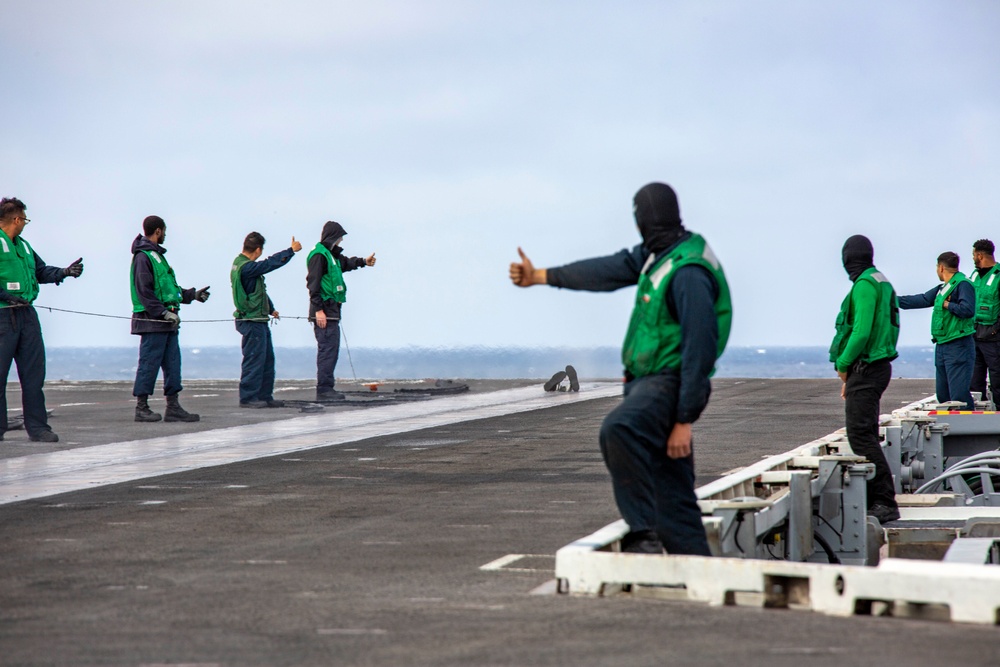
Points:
(791, 530)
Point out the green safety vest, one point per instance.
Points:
(17, 267)
(885, 326)
(252, 306)
(164, 282)
(945, 327)
(987, 295)
(653, 341)
(332, 286)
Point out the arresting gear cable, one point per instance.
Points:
(273, 322)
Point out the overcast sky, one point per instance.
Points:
(442, 135)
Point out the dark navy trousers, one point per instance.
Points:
(257, 374)
(158, 350)
(652, 490)
(21, 343)
(327, 353)
(862, 406)
(953, 364)
(987, 361)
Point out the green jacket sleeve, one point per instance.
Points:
(864, 297)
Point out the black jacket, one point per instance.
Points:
(690, 298)
(150, 320)
(332, 231)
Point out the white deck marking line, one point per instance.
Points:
(41, 475)
(503, 562)
(500, 562)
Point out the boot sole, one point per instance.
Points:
(555, 380)
(574, 382)
(149, 420)
(181, 419)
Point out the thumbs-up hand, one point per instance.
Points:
(370, 260)
(75, 269)
(522, 273)
(296, 246)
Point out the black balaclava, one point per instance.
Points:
(658, 216)
(332, 232)
(858, 256)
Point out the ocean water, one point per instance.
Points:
(118, 363)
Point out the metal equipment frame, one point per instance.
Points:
(792, 530)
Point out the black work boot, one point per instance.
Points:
(175, 413)
(555, 381)
(574, 381)
(142, 411)
(45, 435)
(884, 513)
(641, 542)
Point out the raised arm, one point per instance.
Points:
(599, 274)
(925, 300)
(48, 274)
(253, 270)
(352, 263)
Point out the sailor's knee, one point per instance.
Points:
(614, 432)
(611, 425)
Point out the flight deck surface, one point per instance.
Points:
(371, 550)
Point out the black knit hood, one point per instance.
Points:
(141, 244)
(658, 215)
(332, 231)
(858, 256)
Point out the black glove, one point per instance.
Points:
(172, 317)
(74, 269)
(15, 300)
(202, 295)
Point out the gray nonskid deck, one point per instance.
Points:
(370, 552)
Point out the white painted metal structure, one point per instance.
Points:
(41, 475)
(765, 521)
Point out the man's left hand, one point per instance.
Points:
(75, 269)
(276, 315)
(370, 260)
(843, 384)
(679, 442)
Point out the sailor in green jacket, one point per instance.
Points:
(326, 265)
(680, 325)
(21, 271)
(986, 281)
(254, 310)
(156, 304)
(953, 324)
(862, 351)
